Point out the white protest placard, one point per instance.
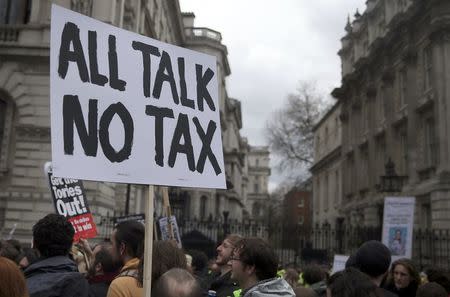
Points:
(128, 108)
(398, 222)
(165, 232)
(339, 263)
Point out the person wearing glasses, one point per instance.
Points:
(254, 266)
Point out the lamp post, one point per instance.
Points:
(391, 182)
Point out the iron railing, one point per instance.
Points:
(298, 245)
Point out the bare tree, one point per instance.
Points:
(290, 129)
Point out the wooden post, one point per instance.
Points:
(148, 248)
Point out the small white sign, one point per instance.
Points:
(339, 263)
(165, 232)
(398, 221)
(128, 108)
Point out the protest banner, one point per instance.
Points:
(398, 221)
(131, 109)
(70, 201)
(170, 231)
(127, 108)
(339, 263)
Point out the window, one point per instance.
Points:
(256, 210)
(402, 88)
(380, 106)
(82, 6)
(366, 113)
(338, 190)
(2, 122)
(256, 188)
(325, 193)
(403, 142)
(430, 142)
(364, 173)
(257, 162)
(15, 11)
(301, 203)
(6, 116)
(427, 67)
(301, 220)
(317, 195)
(380, 155)
(203, 207)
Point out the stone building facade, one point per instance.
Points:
(25, 119)
(395, 104)
(327, 169)
(258, 178)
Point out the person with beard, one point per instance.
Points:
(222, 282)
(102, 271)
(127, 248)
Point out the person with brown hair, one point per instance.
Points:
(431, 290)
(13, 282)
(127, 248)
(222, 282)
(102, 271)
(291, 276)
(166, 255)
(403, 278)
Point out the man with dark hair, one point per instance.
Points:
(373, 259)
(54, 274)
(254, 266)
(127, 248)
(176, 283)
(222, 282)
(102, 270)
(314, 277)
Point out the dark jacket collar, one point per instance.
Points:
(55, 264)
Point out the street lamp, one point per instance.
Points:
(391, 182)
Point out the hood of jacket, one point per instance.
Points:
(55, 277)
(55, 264)
(275, 287)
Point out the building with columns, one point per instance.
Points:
(25, 113)
(258, 178)
(327, 169)
(395, 104)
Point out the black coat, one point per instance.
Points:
(55, 277)
(409, 291)
(223, 285)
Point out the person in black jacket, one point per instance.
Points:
(54, 274)
(373, 258)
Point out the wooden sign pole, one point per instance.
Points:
(148, 248)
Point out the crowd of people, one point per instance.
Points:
(243, 267)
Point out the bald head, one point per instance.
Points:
(176, 283)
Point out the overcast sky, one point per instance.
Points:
(272, 45)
